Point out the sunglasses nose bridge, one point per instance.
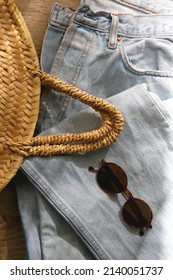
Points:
(128, 193)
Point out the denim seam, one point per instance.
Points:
(62, 49)
(39, 226)
(51, 13)
(76, 73)
(137, 6)
(53, 72)
(60, 25)
(108, 31)
(64, 211)
(159, 35)
(46, 94)
(27, 255)
(56, 10)
(58, 60)
(24, 230)
(150, 15)
(139, 72)
(89, 26)
(82, 58)
(158, 107)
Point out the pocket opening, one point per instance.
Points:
(135, 69)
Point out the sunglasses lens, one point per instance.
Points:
(112, 178)
(137, 213)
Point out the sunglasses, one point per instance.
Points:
(113, 180)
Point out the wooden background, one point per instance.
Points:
(12, 246)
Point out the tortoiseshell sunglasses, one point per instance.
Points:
(113, 180)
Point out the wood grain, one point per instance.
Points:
(36, 13)
(12, 245)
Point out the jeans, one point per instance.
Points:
(86, 43)
(128, 60)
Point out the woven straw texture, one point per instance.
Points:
(20, 83)
(19, 90)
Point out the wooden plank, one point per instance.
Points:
(11, 237)
(12, 246)
(36, 16)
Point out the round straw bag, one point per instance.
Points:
(20, 86)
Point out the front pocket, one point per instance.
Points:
(152, 57)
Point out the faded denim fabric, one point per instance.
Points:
(64, 213)
(131, 6)
(144, 150)
(141, 52)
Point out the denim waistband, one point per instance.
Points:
(158, 6)
(127, 25)
(139, 6)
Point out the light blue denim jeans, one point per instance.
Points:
(128, 59)
(129, 49)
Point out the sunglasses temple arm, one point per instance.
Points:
(93, 169)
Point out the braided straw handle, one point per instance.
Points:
(70, 143)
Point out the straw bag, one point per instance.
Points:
(20, 86)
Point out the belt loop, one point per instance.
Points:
(113, 32)
(72, 16)
(83, 8)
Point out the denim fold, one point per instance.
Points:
(120, 51)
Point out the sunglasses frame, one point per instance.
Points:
(131, 200)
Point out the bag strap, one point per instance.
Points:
(69, 143)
